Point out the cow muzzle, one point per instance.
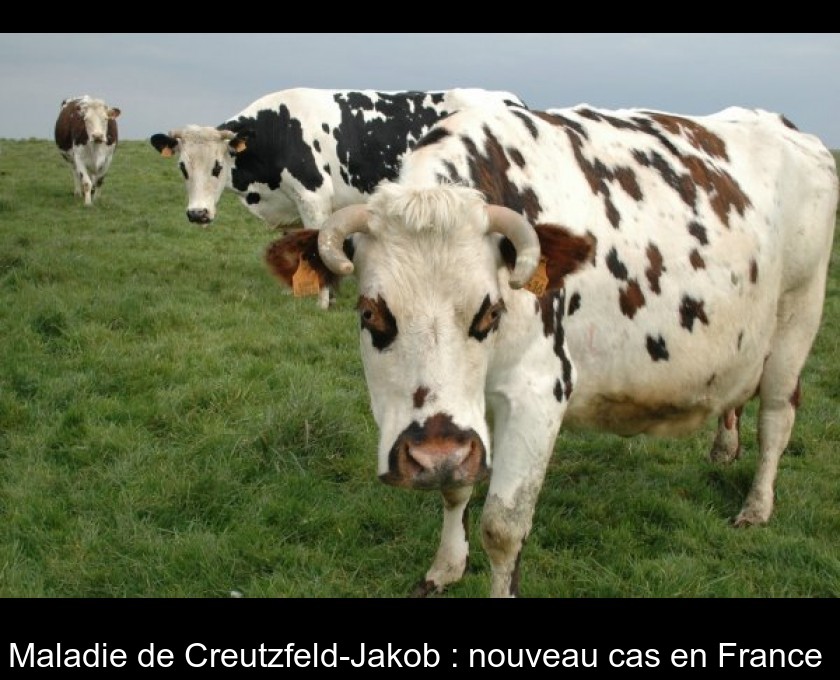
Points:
(436, 455)
(201, 216)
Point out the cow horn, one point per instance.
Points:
(177, 134)
(524, 238)
(227, 134)
(337, 227)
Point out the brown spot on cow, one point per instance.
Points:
(753, 271)
(419, 397)
(489, 172)
(627, 180)
(698, 136)
(723, 192)
(696, 260)
(284, 255)
(516, 156)
(655, 268)
(631, 299)
(560, 121)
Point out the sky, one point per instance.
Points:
(162, 81)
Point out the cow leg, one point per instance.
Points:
(727, 444)
(524, 436)
(324, 297)
(453, 552)
(799, 316)
(83, 178)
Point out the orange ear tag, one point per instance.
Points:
(539, 281)
(305, 280)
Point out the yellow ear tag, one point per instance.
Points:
(305, 280)
(539, 281)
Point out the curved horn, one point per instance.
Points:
(524, 238)
(227, 134)
(336, 228)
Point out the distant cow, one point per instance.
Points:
(86, 136)
(630, 271)
(295, 156)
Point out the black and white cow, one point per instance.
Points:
(86, 135)
(625, 271)
(295, 156)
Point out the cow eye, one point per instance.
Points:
(487, 318)
(378, 320)
(184, 170)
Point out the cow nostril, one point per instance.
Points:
(430, 459)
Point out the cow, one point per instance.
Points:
(630, 271)
(294, 156)
(86, 135)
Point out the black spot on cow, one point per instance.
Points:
(753, 271)
(276, 144)
(452, 173)
(691, 309)
(217, 169)
(529, 124)
(698, 231)
(616, 266)
(325, 127)
(371, 149)
(317, 145)
(740, 339)
(432, 137)
(657, 349)
(183, 169)
(377, 319)
(486, 319)
(252, 198)
(787, 123)
(574, 303)
(516, 156)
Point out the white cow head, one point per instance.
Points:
(206, 157)
(96, 115)
(428, 265)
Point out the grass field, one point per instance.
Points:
(174, 424)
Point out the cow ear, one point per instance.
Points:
(564, 252)
(239, 143)
(114, 113)
(285, 255)
(165, 144)
(561, 253)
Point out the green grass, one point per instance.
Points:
(174, 424)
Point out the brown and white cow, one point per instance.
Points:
(86, 135)
(626, 271)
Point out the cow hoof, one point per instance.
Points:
(425, 588)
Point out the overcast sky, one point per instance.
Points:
(165, 80)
